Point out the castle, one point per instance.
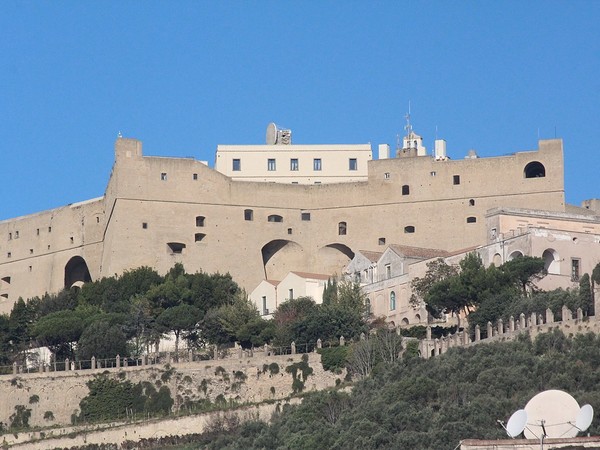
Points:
(271, 209)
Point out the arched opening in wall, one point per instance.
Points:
(275, 218)
(281, 256)
(497, 260)
(392, 324)
(515, 254)
(551, 261)
(534, 169)
(392, 301)
(418, 317)
(333, 258)
(342, 228)
(405, 321)
(76, 270)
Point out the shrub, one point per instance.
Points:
(334, 358)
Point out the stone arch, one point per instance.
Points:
(515, 254)
(497, 260)
(551, 261)
(534, 169)
(281, 256)
(332, 258)
(418, 317)
(404, 322)
(76, 270)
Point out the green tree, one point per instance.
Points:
(437, 271)
(102, 340)
(586, 299)
(179, 319)
(524, 272)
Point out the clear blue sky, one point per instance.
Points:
(186, 76)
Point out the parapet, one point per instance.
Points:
(127, 148)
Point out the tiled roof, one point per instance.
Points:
(371, 256)
(418, 252)
(273, 282)
(315, 276)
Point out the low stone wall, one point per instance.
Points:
(54, 397)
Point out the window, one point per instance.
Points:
(409, 229)
(9, 236)
(353, 164)
(289, 231)
(71, 239)
(433, 173)
(175, 247)
(37, 231)
(381, 241)
(264, 306)
(9, 254)
(144, 225)
(342, 228)
(30, 268)
(31, 251)
(16, 235)
(49, 229)
(386, 175)
(237, 165)
(195, 176)
(575, 269)
(534, 169)
(317, 164)
(163, 176)
(271, 164)
(199, 236)
(6, 280)
(248, 214)
(290, 294)
(200, 221)
(471, 219)
(472, 202)
(388, 271)
(456, 179)
(405, 189)
(368, 306)
(294, 164)
(305, 216)
(392, 301)
(274, 218)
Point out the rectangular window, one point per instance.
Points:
(195, 176)
(305, 216)
(388, 271)
(575, 269)
(317, 164)
(352, 164)
(294, 164)
(248, 214)
(163, 176)
(144, 225)
(37, 232)
(271, 164)
(9, 236)
(264, 306)
(237, 165)
(291, 294)
(456, 179)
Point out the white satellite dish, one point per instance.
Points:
(551, 414)
(516, 424)
(271, 134)
(584, 418)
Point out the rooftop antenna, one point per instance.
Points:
(408, 126)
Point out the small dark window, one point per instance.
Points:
(535, 169)
(472, 202)
(163, 176)
(305, 216)
(9, 236)
(6, 280)
(386, 175)
(49, 229)
(248, 214)
(71, 239)
(31, 251)
(381, 241)
(16, 235)
(144, 225)
(237, 165)
(4, 296)
(353, 164)
(342, 228)
(289, 231)
(405, 189)
(37, 232)
(294, 164)
(97, 221)
(30, 268)
(456, 179)
(199, 236)
(274, 218)
(200, 221)
(9, 255)
(176, 247)
(471, 219)
(409, 229)
(195, 176)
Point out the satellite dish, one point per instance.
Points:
(550, 414)
(584, 418)
(271, 134)
(516, 424)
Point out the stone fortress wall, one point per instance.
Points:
(160, 211)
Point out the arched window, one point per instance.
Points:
(200, 221)
(409, 229)
(342, 228)
(515, 254)
(405, 189)
(551, 261)
(534, 169)
(404, 321)
(392, 301)
(471, 219)
(274, 218)
(368, 307)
